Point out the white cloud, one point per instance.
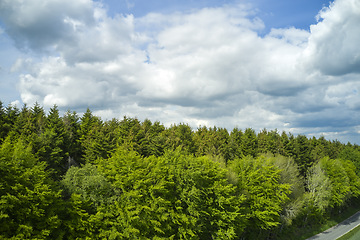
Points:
(84, 84)
(208, 66)
(22, 64)
(108, 39)
(257, 117)
(16, 104)
(297, 37)
(333, 43)
(39, 25)
(345, 94)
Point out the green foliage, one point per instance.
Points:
(87, 182)
(88, 194)
(352, 154)
(72, 131)
(318, 195)
(174, 196)
(8, 117)
(149, 141)
(291, 176)
(259, 181)
(344, 183)
(269, 142)
(134, 179)
(302, 154)
(90, 137)
(249, 143)
(179, 136)
(3, 131)
(51, 142)
(331, 184)
(28, 199)
(236, 143)
(213, 142)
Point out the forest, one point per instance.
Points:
(65, 176)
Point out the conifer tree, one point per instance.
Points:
(302, 150)
(127, 131)
(3, 132)
(179, 136)
(72, 139)
(236, 138)
(9, 119)
(90, 128)
(52, 142)
(249, 143)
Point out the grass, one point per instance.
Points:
(304, 233)
(352, 235)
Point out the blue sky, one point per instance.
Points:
(297, 13)
(289, 65)
(276, 14)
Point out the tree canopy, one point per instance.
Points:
(79, 177)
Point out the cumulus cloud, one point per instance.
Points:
(333, 43)
(204, 67)
(85, 84)
(39, 25)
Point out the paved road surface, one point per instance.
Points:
(340, 229)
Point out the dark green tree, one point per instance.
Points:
(179, 136)
(72, 137)
(51, 144)
(302, 154)
(212, 142)
(352, 154)
(24, 124)
(10, 115)
(149, 139)
(127, 132)
(90, 137)
(319, 148)
(235, 144)
(38, 118)
(3, 132)
(249, 143)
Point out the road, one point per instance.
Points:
(340, 229)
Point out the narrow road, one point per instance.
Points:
(340, 229)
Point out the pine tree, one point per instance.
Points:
(9, 119)
(249, 143)
(302, 150)
(72, 139)
(90, 127)
(3, 131)
(149, 140)
(52, 143)
(236, 138)
(179, 136)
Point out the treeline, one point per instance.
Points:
(72, 177)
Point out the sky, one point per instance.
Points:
(293, 65)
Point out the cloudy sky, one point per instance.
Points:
(290, 65)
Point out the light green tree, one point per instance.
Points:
(175, 196)
(29, 201)
(291, 176)
(260, 182)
